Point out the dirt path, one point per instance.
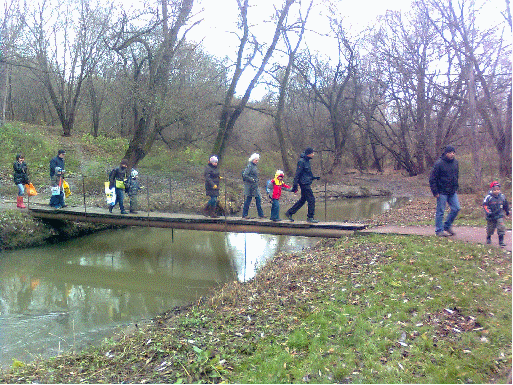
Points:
(463, 233)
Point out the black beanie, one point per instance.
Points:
(309, 151)
(449, 149)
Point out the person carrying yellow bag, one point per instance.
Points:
(56, 180)
(117, 179)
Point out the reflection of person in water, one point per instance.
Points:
(24, 295)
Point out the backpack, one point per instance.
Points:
(269, 187)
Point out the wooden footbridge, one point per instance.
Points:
(196, 222)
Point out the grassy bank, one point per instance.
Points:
(372, 309)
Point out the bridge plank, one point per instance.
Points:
(196, 222)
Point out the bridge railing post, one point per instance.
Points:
(84, 193)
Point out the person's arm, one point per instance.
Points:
(506, 207)
(433, 180)
(297, 176)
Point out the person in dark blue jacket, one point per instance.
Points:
(57, 163)
(304, 178)
(443, 182)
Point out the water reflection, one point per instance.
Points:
(62, 296)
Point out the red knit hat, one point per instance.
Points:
(495, 183)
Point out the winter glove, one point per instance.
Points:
(215, 187)
(294, 188)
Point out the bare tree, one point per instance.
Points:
(334, 87)
(231, 111)
(10, 27)
(485, 57)
(63, 51)
(148, 53)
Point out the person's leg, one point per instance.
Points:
(258, 201)
(21, 192)
(133, 203)
(120, 196)
(490, 229)
(298, 204)
(501, 230)
(441, 201)
(275, 210)
(245, 208)
(454, 205)
(21, 189)
(310, 198)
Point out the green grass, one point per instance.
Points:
(354, 336)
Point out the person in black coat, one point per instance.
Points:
(212, 180)
(117, 179)
(304, 178)
(20, 178)
(443, 182)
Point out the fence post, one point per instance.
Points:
(325, 199)
(83, 192)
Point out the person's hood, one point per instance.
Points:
(277, 181)
(447, 150)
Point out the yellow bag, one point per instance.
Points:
(31, 190)
(66, 189)
(120, 184)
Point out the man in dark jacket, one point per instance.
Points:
(303, 179)
(444, 186)
(57, 161)
(117, 179)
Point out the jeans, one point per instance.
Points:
(258, 202)
(213, 201)
(454, 205)
(21, 189)
(120, 196)
(275, 209)
(307, 195)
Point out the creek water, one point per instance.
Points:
(69, 295)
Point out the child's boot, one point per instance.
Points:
(20, 203)
(488, 240)
(212, 212)
(501, 241)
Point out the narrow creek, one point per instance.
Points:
(76, 293)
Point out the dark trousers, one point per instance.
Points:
(307, 195)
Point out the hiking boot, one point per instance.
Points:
(441, 234)
(275, 219)
(110, 208)
(311, 220)
(488, 240)
(289, 216)
(124, 212)
(501, 241)
(450, 231)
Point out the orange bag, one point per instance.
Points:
(31, 190)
